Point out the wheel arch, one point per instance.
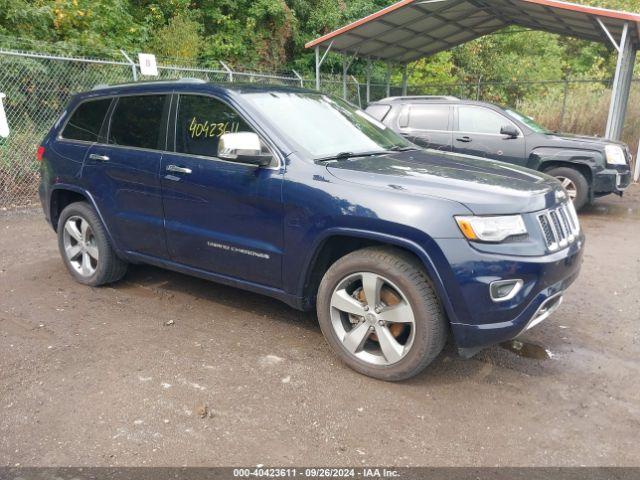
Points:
(63, 195)
(584, 161)
(60, 198)
(336, 243)
(581, 167)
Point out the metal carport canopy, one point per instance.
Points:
(412, 29)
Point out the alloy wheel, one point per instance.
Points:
(80, 246)
(372, 318)
(569, 186)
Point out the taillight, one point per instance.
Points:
(40, 154)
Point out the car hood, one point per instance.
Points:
(580, 141)
(484, 186)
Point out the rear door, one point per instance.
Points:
(123, 172)
(477, 133)
(221, 216)
(79, 133)
(427, 125)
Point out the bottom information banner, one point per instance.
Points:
(417, 473)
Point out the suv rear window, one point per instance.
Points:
(137, 121)
(86, 121)
(378, 111)
(429, 117)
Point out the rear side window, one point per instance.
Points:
(202, 121)
(137, 122)
(429, 117)
(378, 111)
(86, 121)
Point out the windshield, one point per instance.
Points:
(528, 121)
(322, 126)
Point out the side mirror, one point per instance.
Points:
(243, 147)
(509, 130)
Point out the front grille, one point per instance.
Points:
(560, 226)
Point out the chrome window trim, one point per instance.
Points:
(125, 147)
(426, 130)
(487, 134)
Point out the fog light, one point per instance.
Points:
(504, 290)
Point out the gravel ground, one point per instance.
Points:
(163, 369)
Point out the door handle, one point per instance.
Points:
(102, 158)
(464, 139)
(177, 169)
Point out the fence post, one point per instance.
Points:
(345, 69)
(388, 79)
(368, 81)
(228, 70)
(636, 167)
(355, 80)
(404, 80)
(564, 103)
(299, 78)
(318, 63)
(134, 71)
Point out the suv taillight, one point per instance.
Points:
(40, 154)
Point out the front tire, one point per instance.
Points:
(378, 311)
(574, 183)
(85, 247)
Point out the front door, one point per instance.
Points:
(221, 216)
(123, 173)
(478, 133)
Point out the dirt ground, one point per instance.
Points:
(122, 375)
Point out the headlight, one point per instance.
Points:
(491, 229)
(615, 155)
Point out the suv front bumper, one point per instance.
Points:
(612, 180)
(479, 321)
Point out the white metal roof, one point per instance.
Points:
(412, 29)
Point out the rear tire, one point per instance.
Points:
(394, 337)
(574, 182)
(85, 247)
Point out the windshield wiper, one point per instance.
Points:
(347, 155)
(398, 148)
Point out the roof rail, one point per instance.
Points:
(101, 86)
(421, 97)
(192, 80)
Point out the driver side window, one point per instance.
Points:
(200, 123)
(480, 120)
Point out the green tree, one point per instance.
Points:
(271, 34)
(181, 38)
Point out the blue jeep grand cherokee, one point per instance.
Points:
(300, 196)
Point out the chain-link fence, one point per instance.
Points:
(38, 87)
